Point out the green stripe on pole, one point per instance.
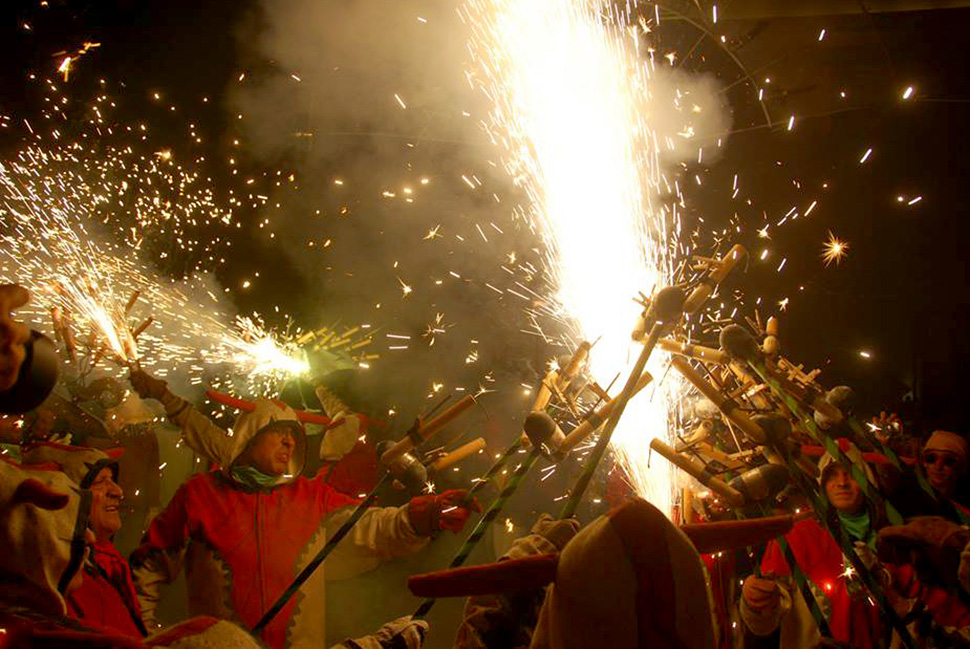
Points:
(487, 518)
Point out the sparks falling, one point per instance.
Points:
(569, 89)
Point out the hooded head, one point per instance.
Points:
(840, 488)
(629, 580)
(944, 458)
(271, 439)
(89, 468)
(43, 533)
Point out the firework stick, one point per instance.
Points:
(311, 567)
(719, 270)
(596, 418)
(827, 441)
(494, 469)
(424, 431)
(459, 454)
(141, 328)
(131, 301)
(821, 507)
(697, 352)
(728, 407)
(696, 469)
(430, 428)
(664, 312)
(487, 518)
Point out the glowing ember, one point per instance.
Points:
(834, 250)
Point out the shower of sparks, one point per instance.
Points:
(569, 88)
(834, 250)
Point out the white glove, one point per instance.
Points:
(402, 633)
(339, 440)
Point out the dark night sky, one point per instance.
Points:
(901, 291)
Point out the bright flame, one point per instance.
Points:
(259, 353)
(569, 89)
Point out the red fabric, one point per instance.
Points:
(444, 511)
(874, 457)
(106, 598)
(30, 630)
(947, 609)
(854, 620)
(355, 473)
(723, 572)
(514, 575)
(260, 535)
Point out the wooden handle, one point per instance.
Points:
(697, 470)
(728, 407)
(595, 420)
(459, 454)
(697, 352)
(429, 428)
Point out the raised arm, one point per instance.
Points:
(202, 436)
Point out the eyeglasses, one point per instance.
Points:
(947, 460)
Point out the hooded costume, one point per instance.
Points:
(106, 598)
(852, 616)
(629, 580)
(43, 526)
(244, 536)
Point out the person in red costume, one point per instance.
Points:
(106, 596)
(770, 602)
(246, 530)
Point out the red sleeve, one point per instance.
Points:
(169, 531)
(329, 499)
(355, 474)
(773, 562)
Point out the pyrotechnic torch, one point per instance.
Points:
(663, 314)
(418, 433)
(540, 428)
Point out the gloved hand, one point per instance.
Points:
(402, 633)
(559, 532)
(931, 543)
(761, 595)
(147, 386)
(445, 511)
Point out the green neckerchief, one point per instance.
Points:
(250, 476)
(859, 527)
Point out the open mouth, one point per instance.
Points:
(111, 508)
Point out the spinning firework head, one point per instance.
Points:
(408, 471)
(777, 427)
(739, 343)
(542, 431)
(838, 400)
(762, 483)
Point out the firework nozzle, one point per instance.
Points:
(542, 431)
(828, 411)
(408, 471)
(761, 483)
(739, 343)
(37, 377)
(696, 469)
(665, 309)
(777, 427)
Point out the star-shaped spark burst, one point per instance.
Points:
(834, 249)
(433, 233)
